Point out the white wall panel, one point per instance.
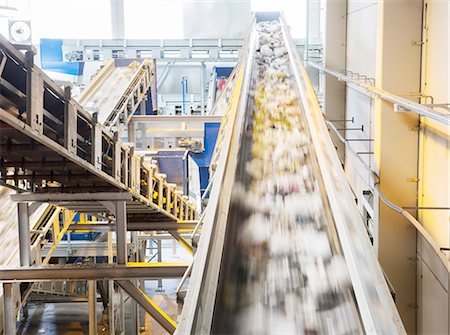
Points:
(360, 107)
(361, 58)
(433, 281)
(361, 38)
(358, 5)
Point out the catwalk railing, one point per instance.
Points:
(50, 143)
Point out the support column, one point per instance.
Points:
(143, 135)
(9, 310)
(117, 19)
(121, 232)
(143, 107)
(122, 311)
(111, 311)
(24, 234)
(396, 148)
(159, 244)
(121, 249)
(132, 132)
(134, 304)
(112, 326)
(92, 300)
(202, 87)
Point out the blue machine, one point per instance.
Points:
(224, 71)
(89, 236)
(203, 160)
(175, 163)
(52, 58)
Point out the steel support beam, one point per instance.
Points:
(131, 132)
(24, 234)
(92, 301)
(117, 19)
(93, 272)
(159, 255)
(111, 313)
(134, 305)
(176, 118)
(134, 226)
(9, 310)
(59, 197)
(142, 299)
(182, 241)
(121, 232)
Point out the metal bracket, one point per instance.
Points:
(400, 109)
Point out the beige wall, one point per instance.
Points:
(391, 55)
(434, 172)
(435, 145)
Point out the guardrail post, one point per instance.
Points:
(35, 95)
(96, 143)
(117, 158)
(70, 122)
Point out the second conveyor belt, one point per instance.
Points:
(284, 249)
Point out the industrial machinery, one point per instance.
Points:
(62, 153)
(283, 248)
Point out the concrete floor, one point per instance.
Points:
(59, 318)
(72, 318)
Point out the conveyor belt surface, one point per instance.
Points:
(283, 249)
(110, 91)
(116, 92)
(284, 272)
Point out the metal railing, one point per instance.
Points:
(408, 105)
(401, 210)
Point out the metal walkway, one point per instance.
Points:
(50, 143)
(53, 151)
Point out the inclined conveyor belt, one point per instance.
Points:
(284, 249)
(117, 91)
(284, 271)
